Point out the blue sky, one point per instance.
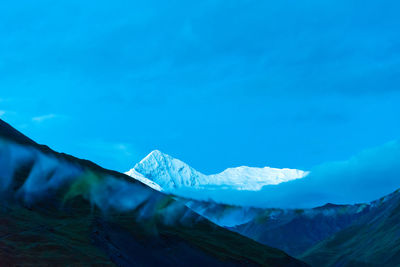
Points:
(214, 83)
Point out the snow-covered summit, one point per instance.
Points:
(169, 173)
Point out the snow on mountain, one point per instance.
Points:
(167, 173)
(133, 173)
(250, 178)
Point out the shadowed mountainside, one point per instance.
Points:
(293, 231)
(372, 240)
(332, 235)
(57, 209)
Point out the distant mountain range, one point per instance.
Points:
(57, 209)
(166, 173)
(365, 234)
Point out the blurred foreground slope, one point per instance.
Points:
(57, 209)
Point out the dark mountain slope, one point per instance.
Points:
(60, 210)
(373, 240)
(10, 133)
(331, 235)
(295, 231)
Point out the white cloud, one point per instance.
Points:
(44, 117)
(365, 177)
(2, 112)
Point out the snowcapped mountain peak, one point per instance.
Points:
(155, 155)
(160, 170)
(168, 172)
